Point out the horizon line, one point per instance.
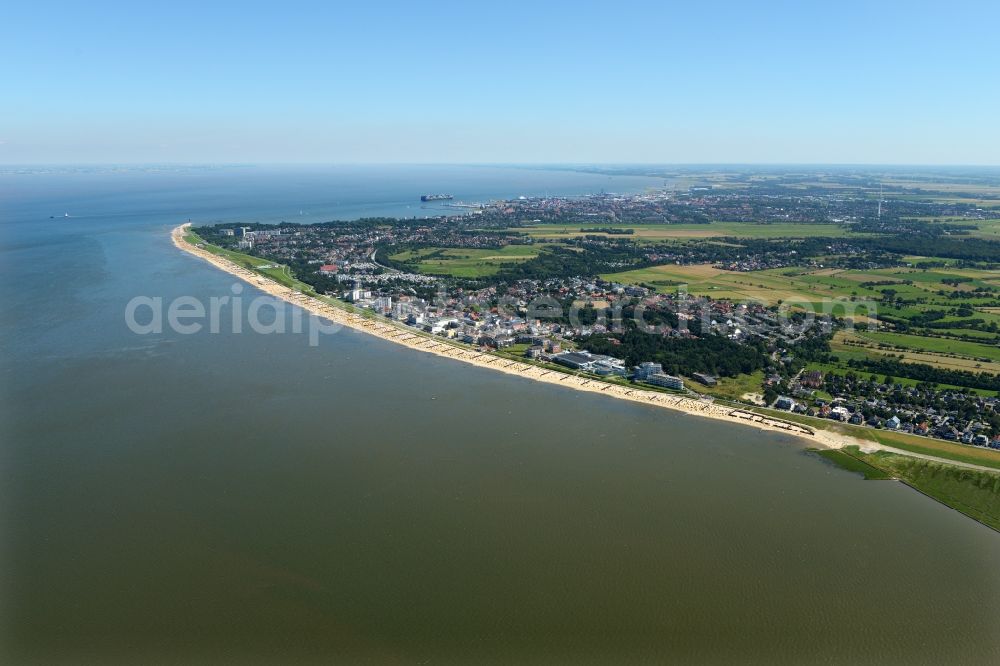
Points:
(223, 163)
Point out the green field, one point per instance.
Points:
(812, 284)
(928, 280)
(936, 345)
(988, 228)
(465, 262)
(659, 232)
(795, 288)
(847, 345)
(732, 388)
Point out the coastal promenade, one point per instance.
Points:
(368, 322)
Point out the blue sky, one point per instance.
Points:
(768, 82)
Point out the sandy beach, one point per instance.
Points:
(403, 335)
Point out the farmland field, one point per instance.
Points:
(845, 344)
(659, 232)
(934, 345)
(984, 228)
(790, 286)
(465, 262)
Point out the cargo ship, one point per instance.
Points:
(436, 197)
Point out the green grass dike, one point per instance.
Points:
(851, 463)
(975, 493)
(277, 272)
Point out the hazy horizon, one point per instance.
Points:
(541, 165)
(448, 83)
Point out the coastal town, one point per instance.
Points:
(535, 279)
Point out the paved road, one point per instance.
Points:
(388, 268)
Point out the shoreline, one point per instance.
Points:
(399, 334)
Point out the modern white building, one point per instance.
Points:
(666, 381)
(644, 371)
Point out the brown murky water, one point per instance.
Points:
(248, 498)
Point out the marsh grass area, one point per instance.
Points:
(972, 492)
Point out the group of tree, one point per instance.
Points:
(711, 354)
(928, 373)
